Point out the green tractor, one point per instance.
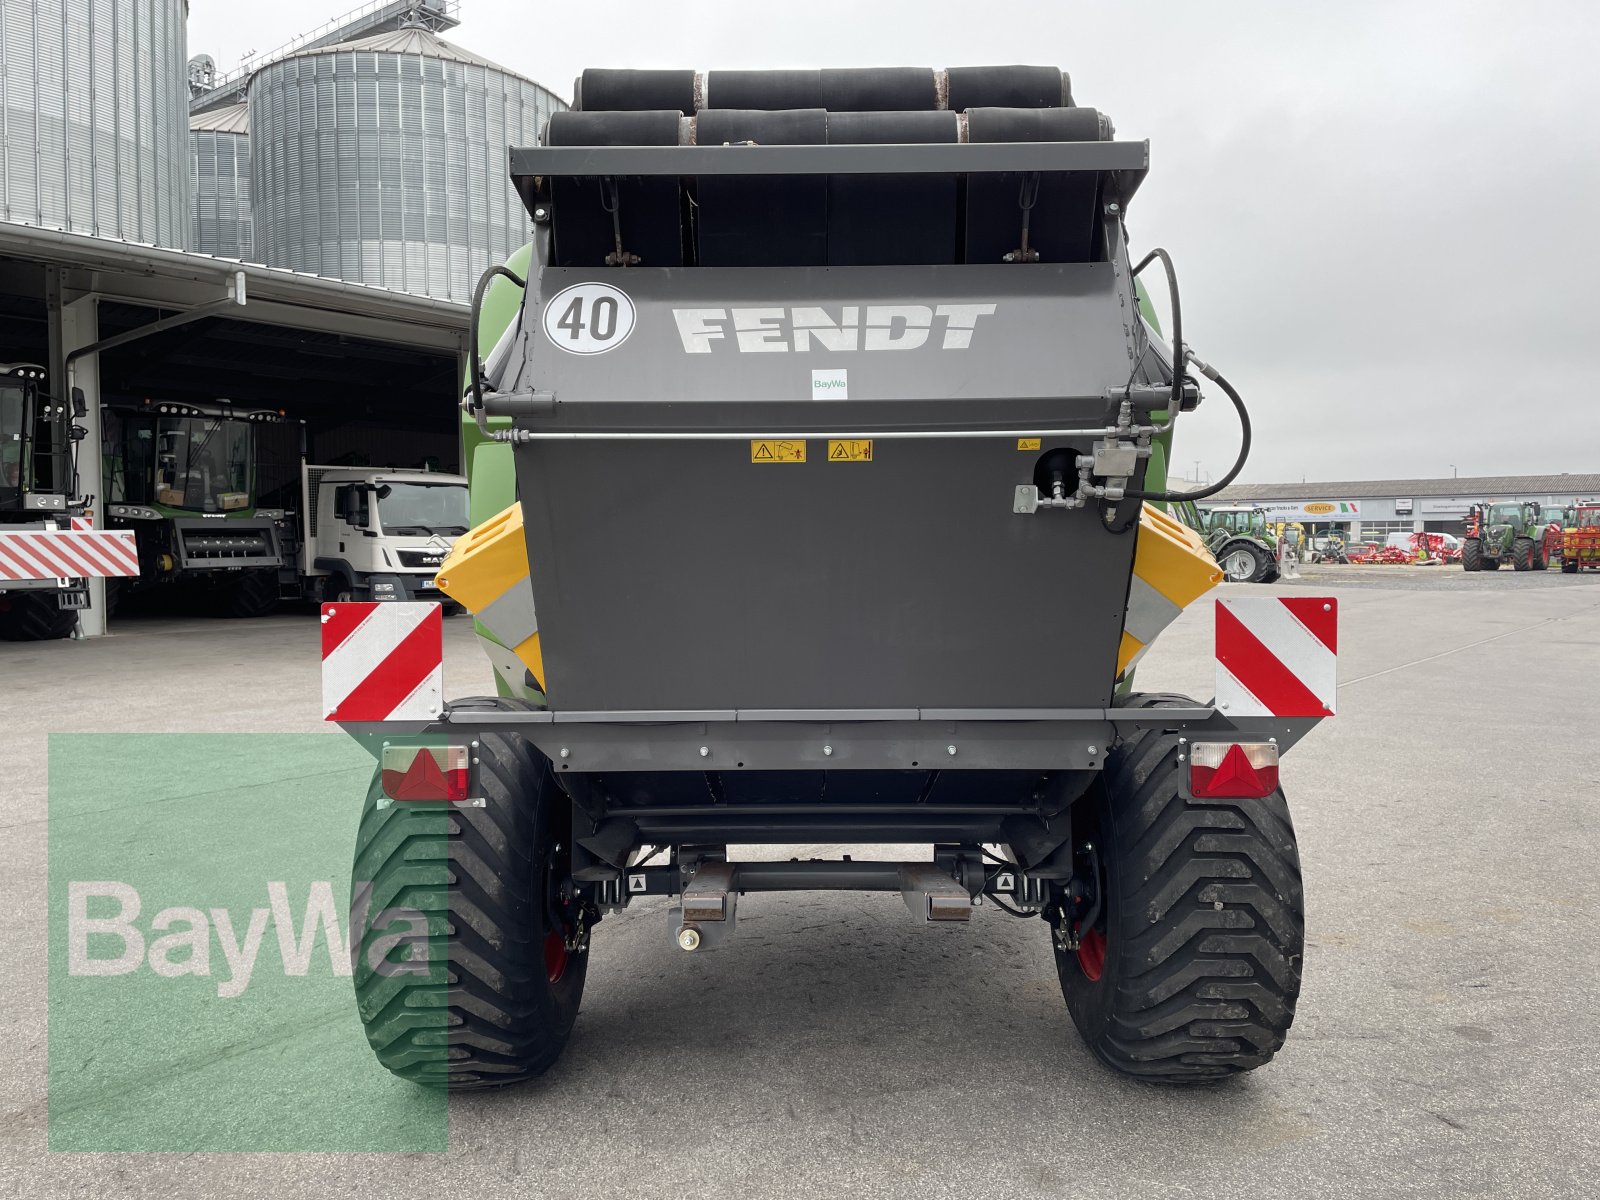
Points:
(1512, 532)
(1238, 537)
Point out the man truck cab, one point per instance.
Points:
(375, 534)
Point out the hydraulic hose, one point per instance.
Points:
(1178, 363)
(482, 290)
(1217, 378)
(1180, 369)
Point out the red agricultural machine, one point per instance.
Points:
(1580, 541)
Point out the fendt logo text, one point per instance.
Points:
(852, 327)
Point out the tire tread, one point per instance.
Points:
(1202, 992)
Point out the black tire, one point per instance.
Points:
(1491, 564)
(497, 1003)
(1243, 562)
(251, 594)
(1522, 554)
(1201, 927)
(1569, 566)
(34, 616)
(1472, 555)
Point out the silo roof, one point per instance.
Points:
(233, 119)
(409, 41)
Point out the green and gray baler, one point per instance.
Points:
(839, 441)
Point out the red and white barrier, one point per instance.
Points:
(382, 662)
(81, 552)
(1278, 656)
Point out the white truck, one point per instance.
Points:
(372, 533)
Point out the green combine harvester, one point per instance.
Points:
(818, 465)
(188, 480)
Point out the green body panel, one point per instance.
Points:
(1155, 471)
(501, 303)
(491, 476)
(169, 513)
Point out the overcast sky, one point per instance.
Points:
(1383, 214)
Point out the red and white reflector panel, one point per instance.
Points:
(1278, 656)
(425, 773)
(382, 662)
(76, 553)
(1232, 770)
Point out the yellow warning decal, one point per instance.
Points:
(1027, 443)
(850, 450)
(772, 450)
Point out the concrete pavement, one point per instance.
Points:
(1444, 1044)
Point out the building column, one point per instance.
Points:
(80, 326)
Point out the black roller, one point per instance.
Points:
(649, 209)
(763, 220)
(601, 89)
(889, 219)
(1008, 87)
(1063, 220)
(767, 90)
(879, 89)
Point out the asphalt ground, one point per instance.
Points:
(1445, 1043)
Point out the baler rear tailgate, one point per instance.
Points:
(705, 533)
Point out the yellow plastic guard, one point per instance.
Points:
(487, 573)
(1171, 570)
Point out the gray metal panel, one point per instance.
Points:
(95, 130)
(684, 576)
(223, 223)
(952, 158)
(795, 746)
(1077, 310)
(389, 168)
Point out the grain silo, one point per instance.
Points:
(96, 117)
(384, 161)
(219, 158)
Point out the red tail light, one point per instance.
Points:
(1233, 770)
(426, 773)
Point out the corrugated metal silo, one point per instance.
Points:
(384, 161)
(96, 117)
(219, 158)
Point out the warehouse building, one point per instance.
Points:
(1370, 510)
(108, 190)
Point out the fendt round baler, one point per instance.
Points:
(820, 478)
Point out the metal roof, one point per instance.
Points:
(1374, 489)
(233, 119)
(371, 17)
(405, 41)
(118, 265)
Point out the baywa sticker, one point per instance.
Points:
(589, 318)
